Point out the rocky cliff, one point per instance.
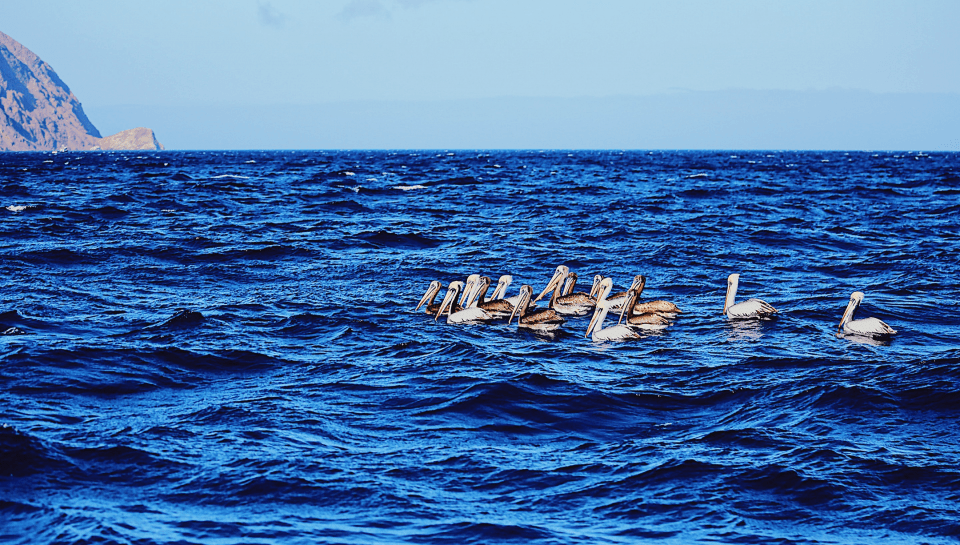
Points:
(38, 112)
(139, 138)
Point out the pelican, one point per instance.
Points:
(577, 303)
(502, 286)
(466, 315)
(868, 327)
(569, 284)
(501, 289)
(429, 297)
(645, 320)
(751, 308)
(596, 285)
(618, 332)
(666, 308)
(538, 320)
(473, 282)
(616, 300)
(499, 308)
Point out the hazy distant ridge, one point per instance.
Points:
(733, 119)
(38, 111)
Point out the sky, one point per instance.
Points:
(253, 55)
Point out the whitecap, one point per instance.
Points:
(234, 176)
(16, 208)
(250, 162)
(348, 173)
(701, 175)
(409, 187)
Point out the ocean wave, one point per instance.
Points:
(214, 334)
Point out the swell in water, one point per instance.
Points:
(222, 347)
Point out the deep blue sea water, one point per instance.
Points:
(221, 347)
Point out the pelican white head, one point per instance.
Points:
(733, 281)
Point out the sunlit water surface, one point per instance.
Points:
(222, 347)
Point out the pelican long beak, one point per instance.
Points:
(847, 314)
(552, 285)
(467, 288)
(638, 284)
(593, 321)
(471, 297)
(522, 302)
(628, 305)
(512, 314)
(430, 294)
(726, 300)
(733, 281)
(498, 291)
(447, 302)
(596, 286)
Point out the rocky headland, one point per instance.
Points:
(39, 113)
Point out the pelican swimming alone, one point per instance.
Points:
(751, 308)
(867, 327)
(577, 303)
(539, 320)
(666, 308)
(466, 315)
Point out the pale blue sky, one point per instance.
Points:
(303, 52)
(282, 52)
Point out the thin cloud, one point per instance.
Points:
(363, 8)
(377, 8)
(270, 16)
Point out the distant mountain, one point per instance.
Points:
(39, 113)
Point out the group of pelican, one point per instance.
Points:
(467, 302)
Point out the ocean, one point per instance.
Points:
(222, 347)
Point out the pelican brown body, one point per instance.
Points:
(539, 320)
(429, 297)
(644, 319)
(576, 303)
(498, 308)
(647, 307)
(467, 315)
